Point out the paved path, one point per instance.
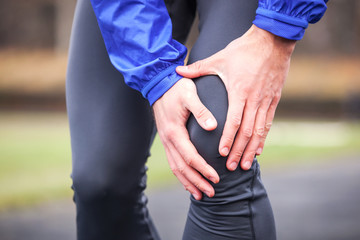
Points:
(317, 201)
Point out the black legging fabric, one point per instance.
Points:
(112, 129)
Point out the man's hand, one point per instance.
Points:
(253, 69)
(171, 112)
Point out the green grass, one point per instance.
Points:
(35, 156)
(292, 141)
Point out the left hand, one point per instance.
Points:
(253, 68)
(171, 113)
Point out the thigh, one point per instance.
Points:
(111, 124)
(240, 208)
(111, 129)
(182, 13)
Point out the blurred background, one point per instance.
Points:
(310, 164)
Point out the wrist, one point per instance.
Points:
(285, 46)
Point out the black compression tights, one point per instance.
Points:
(112, 129)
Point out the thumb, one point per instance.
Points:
(202, 115)
(196, 69)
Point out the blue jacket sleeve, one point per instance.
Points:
(288, 18)
(138, 38)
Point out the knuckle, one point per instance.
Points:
(237, 155)
(260, 131)
(272, 108)
(197, 185)
(189, 87)
(236, 121)
(181, 169)
(250, 156)
(171, 138)
(189, 161)
(235, 124)
(204, 170)
(256, 96)
(262, 110)
(247, 133)
(277, 97)
(246, 91)
(187, 95)
(175, 171)
(269, 97)
(201, 112)
(189, 188)
(188, 91)
(168, 132)
(228, 139)
(268, 126)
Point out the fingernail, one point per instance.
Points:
(259, 151)
(210, 123)
(247, 165)
(180, 68)
(196, 196)
(233, 165)
(225, 151)
(207, 193)
(213, 179)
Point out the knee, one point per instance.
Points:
(206, 142)
(87, 188)
(213, 95)
(106, 167)
(99, 184)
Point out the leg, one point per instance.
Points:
(182, 13)
(111, 131)
(240, 208)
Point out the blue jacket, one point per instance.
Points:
(137, 35)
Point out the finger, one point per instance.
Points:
(190, 174)
(198, 68)
(258, 133)
(202, 115)
(268, 123)
(192, 158)
(186, 183)
(232, 124)
(242, 138)
(262, 140)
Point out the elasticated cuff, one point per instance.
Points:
(161, 83)
(280, 24)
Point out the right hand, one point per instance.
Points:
(171, 112)
(253, 69)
